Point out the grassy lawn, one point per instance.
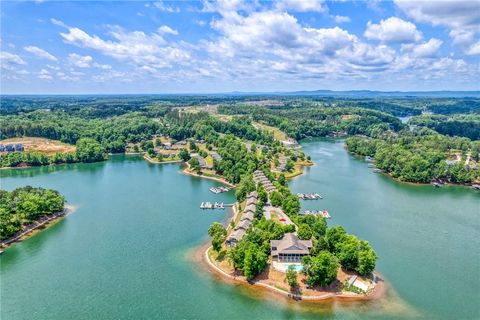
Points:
(277, 133)
(43, 145)
(209, 160)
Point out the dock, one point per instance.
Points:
(309, 196)
(217, 190)
(323, 213)
(213, 205)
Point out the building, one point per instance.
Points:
(245, 220)
(248, 216)
(203, 163)
(250, 208)
(290, 248)
(215, 156)
(19, 147)
(235, 237)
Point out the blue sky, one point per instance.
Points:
(52, 47)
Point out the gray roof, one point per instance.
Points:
(236, 235)
(248, 216)
(253, 194)
(251, 201)
(250, 207)
(290, 244)
(244, 224)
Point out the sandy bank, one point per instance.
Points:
(377, 293)
(218, 179)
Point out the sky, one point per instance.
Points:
(88, 47)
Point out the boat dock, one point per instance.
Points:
(213, 205)
(309, 196)
(323, 213)
(219, 189)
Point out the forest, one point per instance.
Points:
(23, 206)
(99, 125)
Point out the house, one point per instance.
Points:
(244, 224)
(253, 194)
(251, 207)
(235, 237)
(215, 156)
(248, 216)
(203, 163)
(290, 248)
(19, 147)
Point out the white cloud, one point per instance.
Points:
(135, 47)
(8, 60)
(44, 74)
(474, 49)
(461, 17)
(341, 19)
(393, 30)
(167, 30)
(302, 5)
(40, 53)
(423, 50)
(80, 61)
(53, 67)
(160, 5)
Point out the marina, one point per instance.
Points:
(309, 196)
(212, 205)
(323, 213)
(217, 190)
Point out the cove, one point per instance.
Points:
(124, 253)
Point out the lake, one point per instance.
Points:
(125, 252)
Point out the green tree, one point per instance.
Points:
(321, 269)
(90, 150)
(276, 198)
(291, 277)
(184, 155)
(304, 232)
(195, 165)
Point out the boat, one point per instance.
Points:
(325, 214)
(476, 186)
(436, 184)
(371, 165)
(202, 205)
(377, 170)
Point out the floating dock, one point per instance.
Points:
(219, 189)
(214, 205)
(323, 213)
(309, 196)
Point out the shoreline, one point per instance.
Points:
(418, 184)
(193, 174)
(201, 254)
(37, 227)
(150, 160)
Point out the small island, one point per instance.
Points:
(26, 209)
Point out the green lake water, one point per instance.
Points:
(124, 253)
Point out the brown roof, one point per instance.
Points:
(290, 243)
